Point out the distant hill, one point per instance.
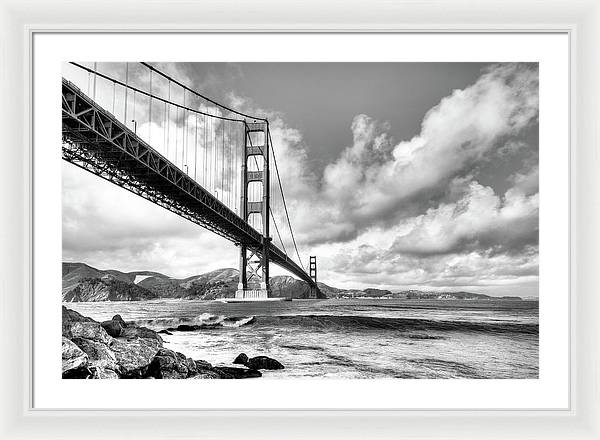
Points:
(81, 282)
(410, 294)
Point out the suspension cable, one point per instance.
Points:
(200, 95)
(214, 135)
(283, 197)
(135, 89)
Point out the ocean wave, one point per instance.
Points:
(327, 322)
(203, 321)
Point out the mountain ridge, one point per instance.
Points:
(82, 282)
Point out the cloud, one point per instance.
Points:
(479, 220)
(111, 228)
(377, 182)
(368, 189)
(388, 213)
(360, 266)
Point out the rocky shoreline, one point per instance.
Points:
(116, 349)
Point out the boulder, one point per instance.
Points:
(134, 356)
(236, 373)
(264, 363)
(113, 328)
(203, 365)
(74, 361)
(69, 316)
(207, 374)
(168, 364)
(88, 330)
(75, 325)
(118, 319)
(102, 360)
(258, 362)
(187, 328)
(140, 332)
(103, 373)
(241, 358)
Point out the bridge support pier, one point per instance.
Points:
(254, 263)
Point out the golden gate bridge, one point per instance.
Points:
(143, 130)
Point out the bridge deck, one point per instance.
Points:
(96, 141)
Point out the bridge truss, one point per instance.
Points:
(97, 141)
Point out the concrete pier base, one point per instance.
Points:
(252, 294)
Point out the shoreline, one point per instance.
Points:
(115, 349)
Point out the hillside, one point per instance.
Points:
(409, 294)
(82, 282)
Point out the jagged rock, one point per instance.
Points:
(207, 374)
(89, 351)
(168, 364)
(117, 318)
(75, 325)
(69, 316)
(258, 362)
(88, 330)
(74, 361)
(103, 373)
(134, 356)
(236, 373)
(203, 365)
(187, 328)
(241, 358)
(102, 360)
(113, 327)
(264, 363)
(140, 332)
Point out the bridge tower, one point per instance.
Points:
(312, 271)
(254, 263)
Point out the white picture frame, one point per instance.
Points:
(20, 21)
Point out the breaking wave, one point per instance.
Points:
(330, 322)
(366, 323)
(203, 321)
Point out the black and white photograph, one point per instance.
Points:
(300, 220)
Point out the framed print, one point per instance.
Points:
(366, 226)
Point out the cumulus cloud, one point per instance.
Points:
(371, 182)
(376, 181)
(415, 212)
(111, 228)
(479, 220)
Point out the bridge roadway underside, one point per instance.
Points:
(93, 139)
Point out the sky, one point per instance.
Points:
(397, 176)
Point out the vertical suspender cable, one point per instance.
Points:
(204, 147)
(94, 97)
(168, 119)
(126, 90)
(222, 159)
(150, 113)
(165, 148)
(183, 134)
(134, 114)
(176, 133)
(196, 149)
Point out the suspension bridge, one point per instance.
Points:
(143, 130)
